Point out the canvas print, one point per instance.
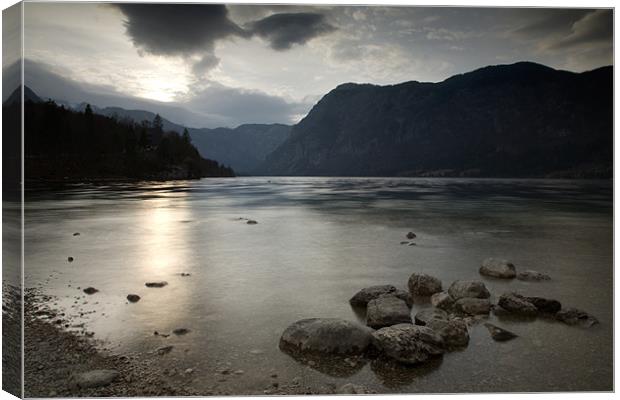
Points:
(248, 199)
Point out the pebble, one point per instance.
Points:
(90, 290)
(164, 350)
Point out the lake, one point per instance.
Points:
(317, 242)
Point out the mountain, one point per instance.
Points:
(137, 116)
(244, 148)
(29, 95)
(519, 120)
(66, 145)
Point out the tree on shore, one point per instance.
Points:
(186, 137)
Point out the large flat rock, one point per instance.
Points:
(326, 335)
(498, 268)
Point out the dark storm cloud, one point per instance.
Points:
(193, 29)
(595, 27)
(542, 22)
(177, 29)
(205, 64)
(565, 29)
(287, 29)
(211, 107)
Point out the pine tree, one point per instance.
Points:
(186, 137)
(158, 124)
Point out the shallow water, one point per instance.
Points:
(318, 241)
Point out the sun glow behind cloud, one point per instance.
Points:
(166, 82)
(266, 72)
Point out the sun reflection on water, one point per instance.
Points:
(164, 249)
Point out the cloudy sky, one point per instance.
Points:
(223, 65)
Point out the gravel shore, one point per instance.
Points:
(55, 356)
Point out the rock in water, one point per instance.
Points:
(473, 306)
(156, 284)
(532, 276)
(76, 234)
(90, 290)
(133, 298)
(404, 295)
(70, 259)
(517, 304)
(96, 378)
(545, 305)
(387, 311)
(468, 289)
(411, 235)
(361, 298)
(423, 285)
(442, 300)
(164, 350)
(351, 388)
(499, 334)
(409, 344)
(251, 222)
(424, 316)
(453, 332)
(326, 335)
(573, 316)
(498, 268)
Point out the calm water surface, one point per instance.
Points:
(318, 241)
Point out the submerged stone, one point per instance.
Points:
(90, 290)
(574, 316)
(133, 298)
(156, 284)
(532, 276)
(498, 268)
(499, 334)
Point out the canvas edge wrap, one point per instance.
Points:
(13, 201)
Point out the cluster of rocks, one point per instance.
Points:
(393, 331)
(504, 269)
(248, 221)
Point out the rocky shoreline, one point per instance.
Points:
(64, 363)
(394, 334)
(57, 362)
(62, 358)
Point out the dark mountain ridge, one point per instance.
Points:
(65, 145)
(243, 148)
(519, 120)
